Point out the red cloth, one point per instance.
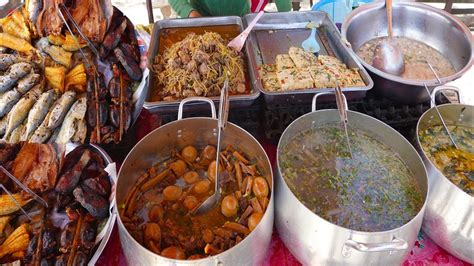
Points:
(425, 251)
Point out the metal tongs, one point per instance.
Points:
(436, 107)
(342, 108)
(213, 200)
(23, 187)
(89, 64)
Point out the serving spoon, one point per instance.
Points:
(238, 42)
(387, 56)
(212, 201)
(436, 107)
(310, 44)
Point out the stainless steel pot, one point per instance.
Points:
(449, 216)
(417, 21)
(315, 241)
(157, 146)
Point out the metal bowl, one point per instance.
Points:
(420, 22)
(449, 218)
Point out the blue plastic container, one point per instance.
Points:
(338, 9)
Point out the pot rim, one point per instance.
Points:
(431, 82)
(423, 116)
(413, 219)
(210, 258)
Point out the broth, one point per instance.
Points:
(373, 191)
(415, 56)
(456, 164)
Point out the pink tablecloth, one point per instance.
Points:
(425, 251)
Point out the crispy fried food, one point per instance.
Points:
(77, 78)
(56, 39)
(16, 242)
(15, 25)
(48, 21)
(70, 45)
(36, 166)
(56, 77)
(3, 222)
(7, 205)
(59, 55)
(15, 43)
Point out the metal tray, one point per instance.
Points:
(166, 107)
(275, 33)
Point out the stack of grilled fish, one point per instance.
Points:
(30, 111)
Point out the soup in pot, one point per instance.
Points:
(372, 191)
(415, 54)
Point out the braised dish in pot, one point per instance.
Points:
(373, 191)
(456, 164)
(158, 210)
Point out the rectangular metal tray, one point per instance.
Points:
(166, 107)
(275, 33)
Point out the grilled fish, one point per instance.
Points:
(41, 135)
(3, 125)
(38, 113)
(60, 108)
(26, 83)
(16, 72)
(20, 111)
(16, 134)
(8, 100)
(33, 7)
(70, 123)
(6, 60)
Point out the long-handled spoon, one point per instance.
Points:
(342, 108)
(238, 42)
(212, 201)
(387, 56)
(436, 107)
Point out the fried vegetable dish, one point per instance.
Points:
(456, 164)
(299, 70)
(198, 66)
(372, 191)
(77, 192)
(158, 210)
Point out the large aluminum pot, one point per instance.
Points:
(421, 22)
(315, 241)
(449, 216)
(157, 146)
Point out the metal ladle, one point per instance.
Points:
(212, 201)
(342, 108)
(436, 107)
(387, 56)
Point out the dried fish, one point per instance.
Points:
(69, 125)
(15, 72)
(60, 108)
(42, 134)
(3, 125)
(20, 111)
(38, 113)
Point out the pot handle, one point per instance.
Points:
(443, 88)
(196, 99)
(396, 244)
(315, 99)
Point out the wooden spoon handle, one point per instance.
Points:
(388, 6)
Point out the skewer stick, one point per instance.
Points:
(121, 126)
(97, 106)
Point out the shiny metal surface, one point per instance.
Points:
(157, 146)
(275, 33)
(166, 107)
(449, 215)
(315, 241)
(418, 21)
(104, 235)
